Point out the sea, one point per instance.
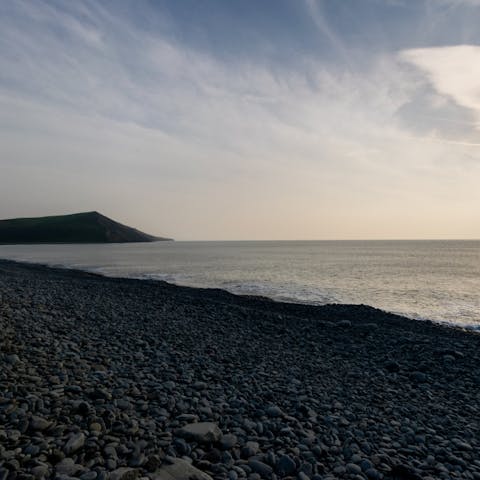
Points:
(436, 280)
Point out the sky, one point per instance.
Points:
(245, 119)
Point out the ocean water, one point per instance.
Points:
(436, 280)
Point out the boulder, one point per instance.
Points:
(201, 432)
(75, 443)
(39, 423)
(124, 473)
(179, 470)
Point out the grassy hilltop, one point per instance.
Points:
(88, 227)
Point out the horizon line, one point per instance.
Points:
(436, 239)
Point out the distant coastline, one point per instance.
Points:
(82, 228)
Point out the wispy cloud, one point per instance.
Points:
(315, 8)
(457, 3)
(177, 139)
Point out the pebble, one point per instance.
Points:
(12, 359)
(261, 468)
(92, 475)
(419, 377)
(179, 469)
(274, 411)
(373, 474)
(201, 432)
(40, 471)
(68, 467)
(228, 441)
(250, 449)
(39, 423)
(124, 473)
(74, 443)
(353, 468)
(285, 466)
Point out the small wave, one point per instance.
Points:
(176, 279)
(282, 293)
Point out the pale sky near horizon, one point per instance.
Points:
(273, 119)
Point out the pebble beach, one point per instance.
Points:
(110, 378)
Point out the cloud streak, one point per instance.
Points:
(106, 115)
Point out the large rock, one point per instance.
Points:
(124, 473)
(75, 443)
(179, 470)
(264, 470)
(201, 432)
(274, 411)
(68, 467)
(286, 466)
(39, 423)
(228, 441)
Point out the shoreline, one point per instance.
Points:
(215, 290)
(113, 378)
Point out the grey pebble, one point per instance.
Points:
(74, 443)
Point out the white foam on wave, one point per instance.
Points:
(284, 293)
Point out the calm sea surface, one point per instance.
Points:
(438, 280)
